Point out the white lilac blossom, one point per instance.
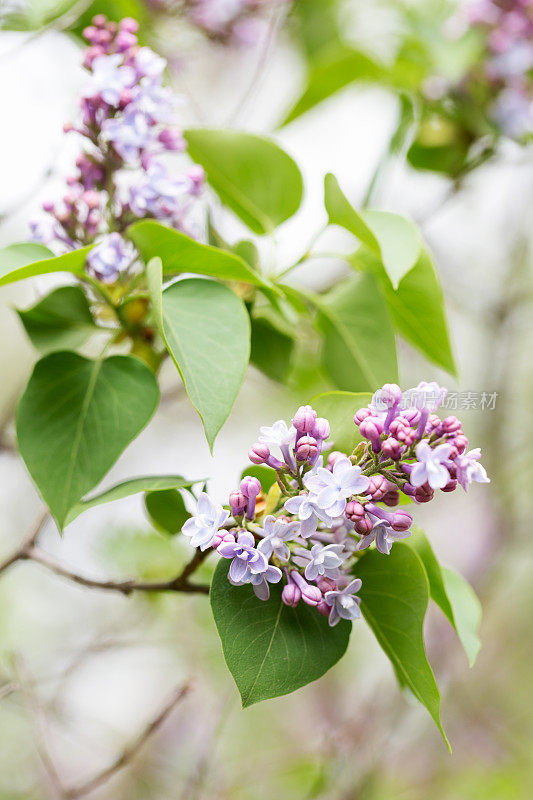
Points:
(468, 469)
(110, 258)
(203, 526)
(430, 467)
(325, 517)
(330, 490)
(277, 533)
(128, 120)
(344, 603)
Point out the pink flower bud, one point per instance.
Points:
(238, 503)
(100, 20)
(326, 584)
(306, 448)
(304, 419)
(332, 458)
(363, 526)
(291, 595)
(460, 442)
(259, 453)
(89, 33)
(392, 448)
(354, 511)
(250, 486)
(424, 493)
(311, 595)
(128, 24)
(389, 395)
(323, 608)
(371, 428)
(451, 425)
(321, 429)
(124, 40)
(196, 176)
(379, 486)
(222, 537)
(433, 424)
(361, 414)
(48, 206)
(411, 416)
(401, 521)
(451, 486)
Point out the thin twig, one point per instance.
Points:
(129, 752)
(28, 544)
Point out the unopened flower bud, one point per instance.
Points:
(378, 487)
(171, 139)
(128, 24)
(361, 414)
(291, 595)
(124, 40)
(389, 395)
(306, 448)
(451, 486)
(363, 526)
(451, 425)
(311, 595)
(461, 442)
(424, 493)
(304, 419)
(332, 458)
(321, 429)
(392, 448)
(238, 503)
(250, 486)
(354, 511)
(411, 416)
(323, 608)
(371, 428)
(222, 537)
(259, 453)
(408, 489)
(392, 497)
(401, 521)
(326, 584)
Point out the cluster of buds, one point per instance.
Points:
(127, 123)
(332, 506)
(230, 22)
(508, 25)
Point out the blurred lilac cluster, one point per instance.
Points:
(331, 507)
(128, 121)
(509, 28)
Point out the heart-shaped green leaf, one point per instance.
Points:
(180, 253)
(206, 329)
(60, 321)
(147, 483)
(75, 419)
(271, 649)
(394, 600)
(250, 174)
(27, 260)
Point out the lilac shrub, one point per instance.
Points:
(330, 505)
(128, 123)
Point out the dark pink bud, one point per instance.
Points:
(379, 486)
(128, 24)
(392, 448)
(326, 584)
(408, 489)
(323, 608)
(451, 425)
(460, 442)
(451, 469)
(238, 503)
(392, 498)
(306, 448)
(401, 521)
(259, 453)
(321, 429)
(354, 511)
(361, 414)
(423, 494)
(451, 486)
(433, 424)
(222, 536)
(48, 207)
(363, 526)
(304, 419)
(250, 486)
(291, 595)
(411, 416)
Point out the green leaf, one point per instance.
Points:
(147, 483)
(454, 596)
(271, 649)
(272, 347)
(359, 351)
(250, 174)
(336, 69)
(180, 253)
(265, 475)
(167, 510)
(394, 599)
(60, 321)
(393, 239)
(75, 419)
(21, 261)
(339, 408)
(206, 329)
(417, 308)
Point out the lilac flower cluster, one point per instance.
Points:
(127, 123)
(509, 29)
(331, 506)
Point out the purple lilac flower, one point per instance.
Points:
(344, 604)
(308, 512)
(159, 194)
(324, 561)
(277, 534)
(260, 581)
(247, 560)
(110, 258)
(203, 526)
(468, 469)
(109, 77)
(330, 490)
(430, 467)
(384, 536)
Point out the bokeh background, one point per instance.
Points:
(85, 670)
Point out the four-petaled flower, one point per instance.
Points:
(108, 79)
(344, 604)
(430, 467)
(260, 581)
(202, 527)
(247, 559)
(325, 561)
(469, 469)
(110, 257)
(384, 536)
(308, 512)
(330, 490)
(277, 533)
